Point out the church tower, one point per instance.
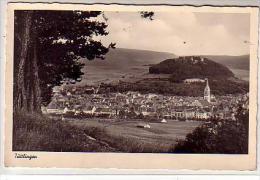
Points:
(207, 91)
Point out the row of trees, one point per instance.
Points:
(218, 87)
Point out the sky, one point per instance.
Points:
(181, 33)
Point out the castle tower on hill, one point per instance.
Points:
(207, 91)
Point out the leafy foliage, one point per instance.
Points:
(229, 137)
(61, 38)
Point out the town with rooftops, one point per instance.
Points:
(73, 102)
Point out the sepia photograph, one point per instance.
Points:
(132, 81)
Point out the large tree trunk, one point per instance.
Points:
(27, 94)
(34, 103)
(20, 96)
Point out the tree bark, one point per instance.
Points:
(20, 96)
(35, 101)
(27, 93)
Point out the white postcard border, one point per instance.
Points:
(134, 160)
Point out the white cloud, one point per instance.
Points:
(180, 33)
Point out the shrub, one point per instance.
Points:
(227, 137)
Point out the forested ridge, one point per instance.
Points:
(191, 67)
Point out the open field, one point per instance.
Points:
(33, 132)
(162, 135)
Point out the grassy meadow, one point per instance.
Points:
(163, 135)
(40, 133)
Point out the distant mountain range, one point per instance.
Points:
(233, 62)
(122, 64)
(124, 58)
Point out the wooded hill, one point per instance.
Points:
(222, 81)
(191, 67)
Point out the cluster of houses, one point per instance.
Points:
(137, 106)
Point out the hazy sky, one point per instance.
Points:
(181, 33)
